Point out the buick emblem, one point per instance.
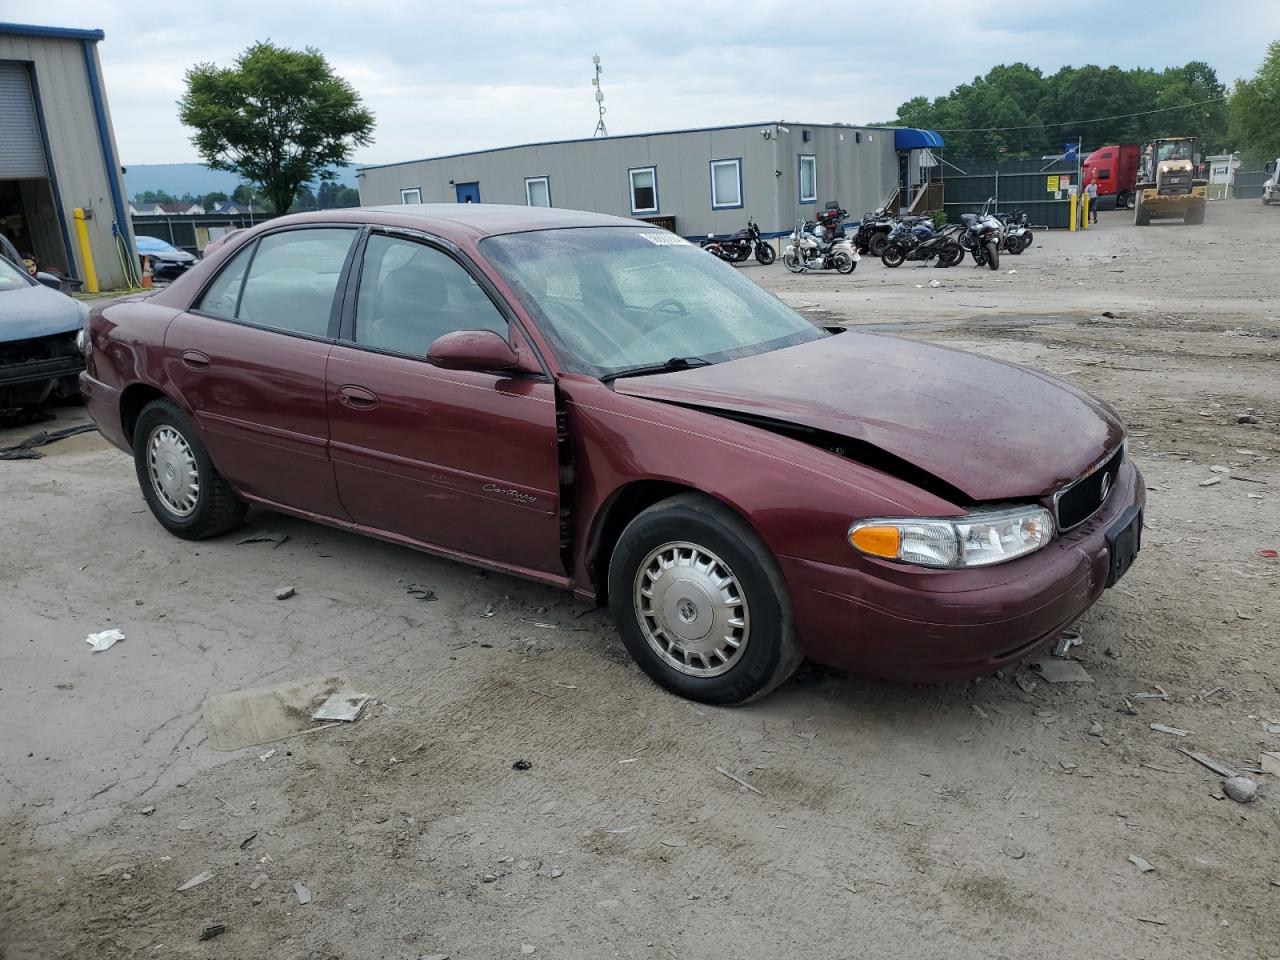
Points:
(1106, 487)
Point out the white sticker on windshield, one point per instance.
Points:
(663, 238)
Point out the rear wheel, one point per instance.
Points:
(877, 243)
(844, 261)
(993, 256)
(700, 602)
(893, 255)
(951, 255)
(765, 253)
(184, 491)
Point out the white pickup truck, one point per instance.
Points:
(1271, 187)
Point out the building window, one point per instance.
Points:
(537, 191)
(726, 184)
(808, 179)
(644, 189)
(411, 195)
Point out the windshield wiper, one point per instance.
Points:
(667, 366)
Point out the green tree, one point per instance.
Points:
(215, 196)
(153, 196)
(1253, 111)
(244, 195)
(280, 118)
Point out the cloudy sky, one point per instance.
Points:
(443, 77)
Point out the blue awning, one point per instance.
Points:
(909, 138)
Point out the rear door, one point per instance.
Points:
(461, 461)
(249, 361)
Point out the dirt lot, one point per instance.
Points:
(968, 821)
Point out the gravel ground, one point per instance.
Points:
(975, 820)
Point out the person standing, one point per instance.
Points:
(1092, 191)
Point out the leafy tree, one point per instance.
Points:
(153, 196)
(1253, 111)
(305, 199)
(215, 196)
(1015, 109)
(332, 195)
(280, 118)
(244, 195)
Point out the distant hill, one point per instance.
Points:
(194, 178)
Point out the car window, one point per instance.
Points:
(224, 293)
(11, 277)
(292, 280)
(411, 293)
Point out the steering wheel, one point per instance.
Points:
(680, 309)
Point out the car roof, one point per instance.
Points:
(475, 220)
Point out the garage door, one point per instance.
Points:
(21, 149)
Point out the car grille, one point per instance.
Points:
(1076, 503)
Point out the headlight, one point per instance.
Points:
(977, 540)
(82, 341)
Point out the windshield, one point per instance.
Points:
(12, 277)
(1175, 150)
(617, 298)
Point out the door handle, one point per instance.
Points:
(195, 360)
(357, 398)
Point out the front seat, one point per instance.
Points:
(413, 309)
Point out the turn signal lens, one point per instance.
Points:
(879, 541)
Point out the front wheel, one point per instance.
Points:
(951, 254)
(893, 255)
(700, 602)
(765, 253)
(184, 491)
(792, 263)
(993, 256)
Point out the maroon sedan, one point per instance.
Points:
(593, 403)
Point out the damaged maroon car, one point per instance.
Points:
(593, 403)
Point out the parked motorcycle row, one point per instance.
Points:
(829, 242)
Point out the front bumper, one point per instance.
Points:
(33, 370)
(934, 625)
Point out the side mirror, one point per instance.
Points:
(480, 350)
(49, 280)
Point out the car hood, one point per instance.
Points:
(37, 312)
(989, 429)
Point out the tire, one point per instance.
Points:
(765, 254)
(951, 255)
(685, 528)
(893, 255)
(844, 262)
(1027, 239)
(792, 263)
(993, 256)
(876, 244)
(1141, 217)
(214, 507)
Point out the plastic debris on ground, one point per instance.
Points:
(302, 893)
(104, 640)
(203, 877)
(342, 706)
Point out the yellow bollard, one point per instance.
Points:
(1072, 227)
(1084, 211)
(86, 254)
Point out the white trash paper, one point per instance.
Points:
(104, 640)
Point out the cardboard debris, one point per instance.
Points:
(342, 706)
(258, 715)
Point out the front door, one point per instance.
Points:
(249, 361)
(468, 192)
(461, 461)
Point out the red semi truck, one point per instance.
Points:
(1115, 169)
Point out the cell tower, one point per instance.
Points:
(600, 127)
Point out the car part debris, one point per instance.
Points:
(1052, 670)
(1240, 789)
(104, 640)
(302, 893)
(419, 592)
(1207, 761)
(342, 706)
(1161, 728)
(1068, 638)
(213, 930)
(1143, 865)
(26, 449)
(203, 877)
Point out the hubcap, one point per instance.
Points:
(691, 609)
(174, 475)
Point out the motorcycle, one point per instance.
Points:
(1017, 232)
(741, 245)
(982, 236)
(815, 247)
(911, 243)
(873, 232)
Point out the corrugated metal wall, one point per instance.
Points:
(592, 174)
(1035, 186)
(21, 146)
(62, 86)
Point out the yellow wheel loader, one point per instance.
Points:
(1167, 182)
